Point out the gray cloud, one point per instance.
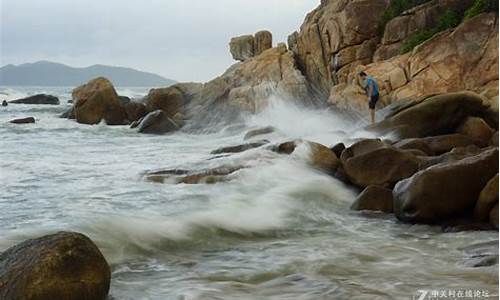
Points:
(183, 40)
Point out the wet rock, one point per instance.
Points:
(157, 122)
(242, 47)
(487, 200)
(69, 114)
(494, 140)
(476, 129)
(494, 216)
(434, 115)
(65, 265)
(135, 110)
(321, 157)
(4, 103)
(124, 100)
(415, 144)
(374, 198)
(97, 100)
(481, 254)
(27, 120)
(38, 99)
(259, 131)
(372, 162)
(444, 143)
(338, 149)
(240, 148)
(205, 176)
(446, 190)
(170, 100)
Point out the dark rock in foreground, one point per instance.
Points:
(157, 122)
(65, 266)
(27, 120)
(374, 198)
(38, 99)
(4, 103)
(446, 190)
(259, 131)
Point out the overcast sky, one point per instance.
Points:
(186, 40)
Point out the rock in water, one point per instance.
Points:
(65, 266)
(371, 162)
(259, 131)
(4, 103)
(240, 148)
(23, 120)
(374, 198)
(157, 122)
(170, 100)
(446, 190)
(38, 99)
(487, 200)
(135, 110)
(97, 100)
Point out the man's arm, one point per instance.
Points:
(370, 90)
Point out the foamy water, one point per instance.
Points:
(277, 230)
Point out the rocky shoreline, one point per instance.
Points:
(436, 161)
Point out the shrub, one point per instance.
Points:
(449, 19)
(395, 8)
(481, 6)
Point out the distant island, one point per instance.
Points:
(45, 73)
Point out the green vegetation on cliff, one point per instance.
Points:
(395, 8)
(481, 6)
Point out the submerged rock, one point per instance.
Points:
(4, 103)
(23, 120)
(65, 266)
(207, 176)
(69, 114)
(481, 254)
(239, 148)
(374, 198)
(157, 122)
(446, 190)
(98, 100)
(259, 131)
(38, 99)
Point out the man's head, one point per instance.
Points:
(362, 75)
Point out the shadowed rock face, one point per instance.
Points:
(487, 201)
(60, 266)
(38, 99)
(97, 100)
(445, 190)
(157, 122)
(374, 198)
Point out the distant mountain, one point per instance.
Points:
(45, 73)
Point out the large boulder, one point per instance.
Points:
(445, 190)
(319, 156)
(242, 47)
(38, 99)
(374, 198)
(263, 41)
(434, 115)
(371, 162)
(476, 129)
(436, 145)
(487, 200)
(65, 266)
(157, 122)
(135, 110)
(97, 100)
(170, 100)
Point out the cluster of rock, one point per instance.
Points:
(65, 265)
(247, 46)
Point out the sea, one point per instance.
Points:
(276, 229)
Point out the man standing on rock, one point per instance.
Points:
(372, 90)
